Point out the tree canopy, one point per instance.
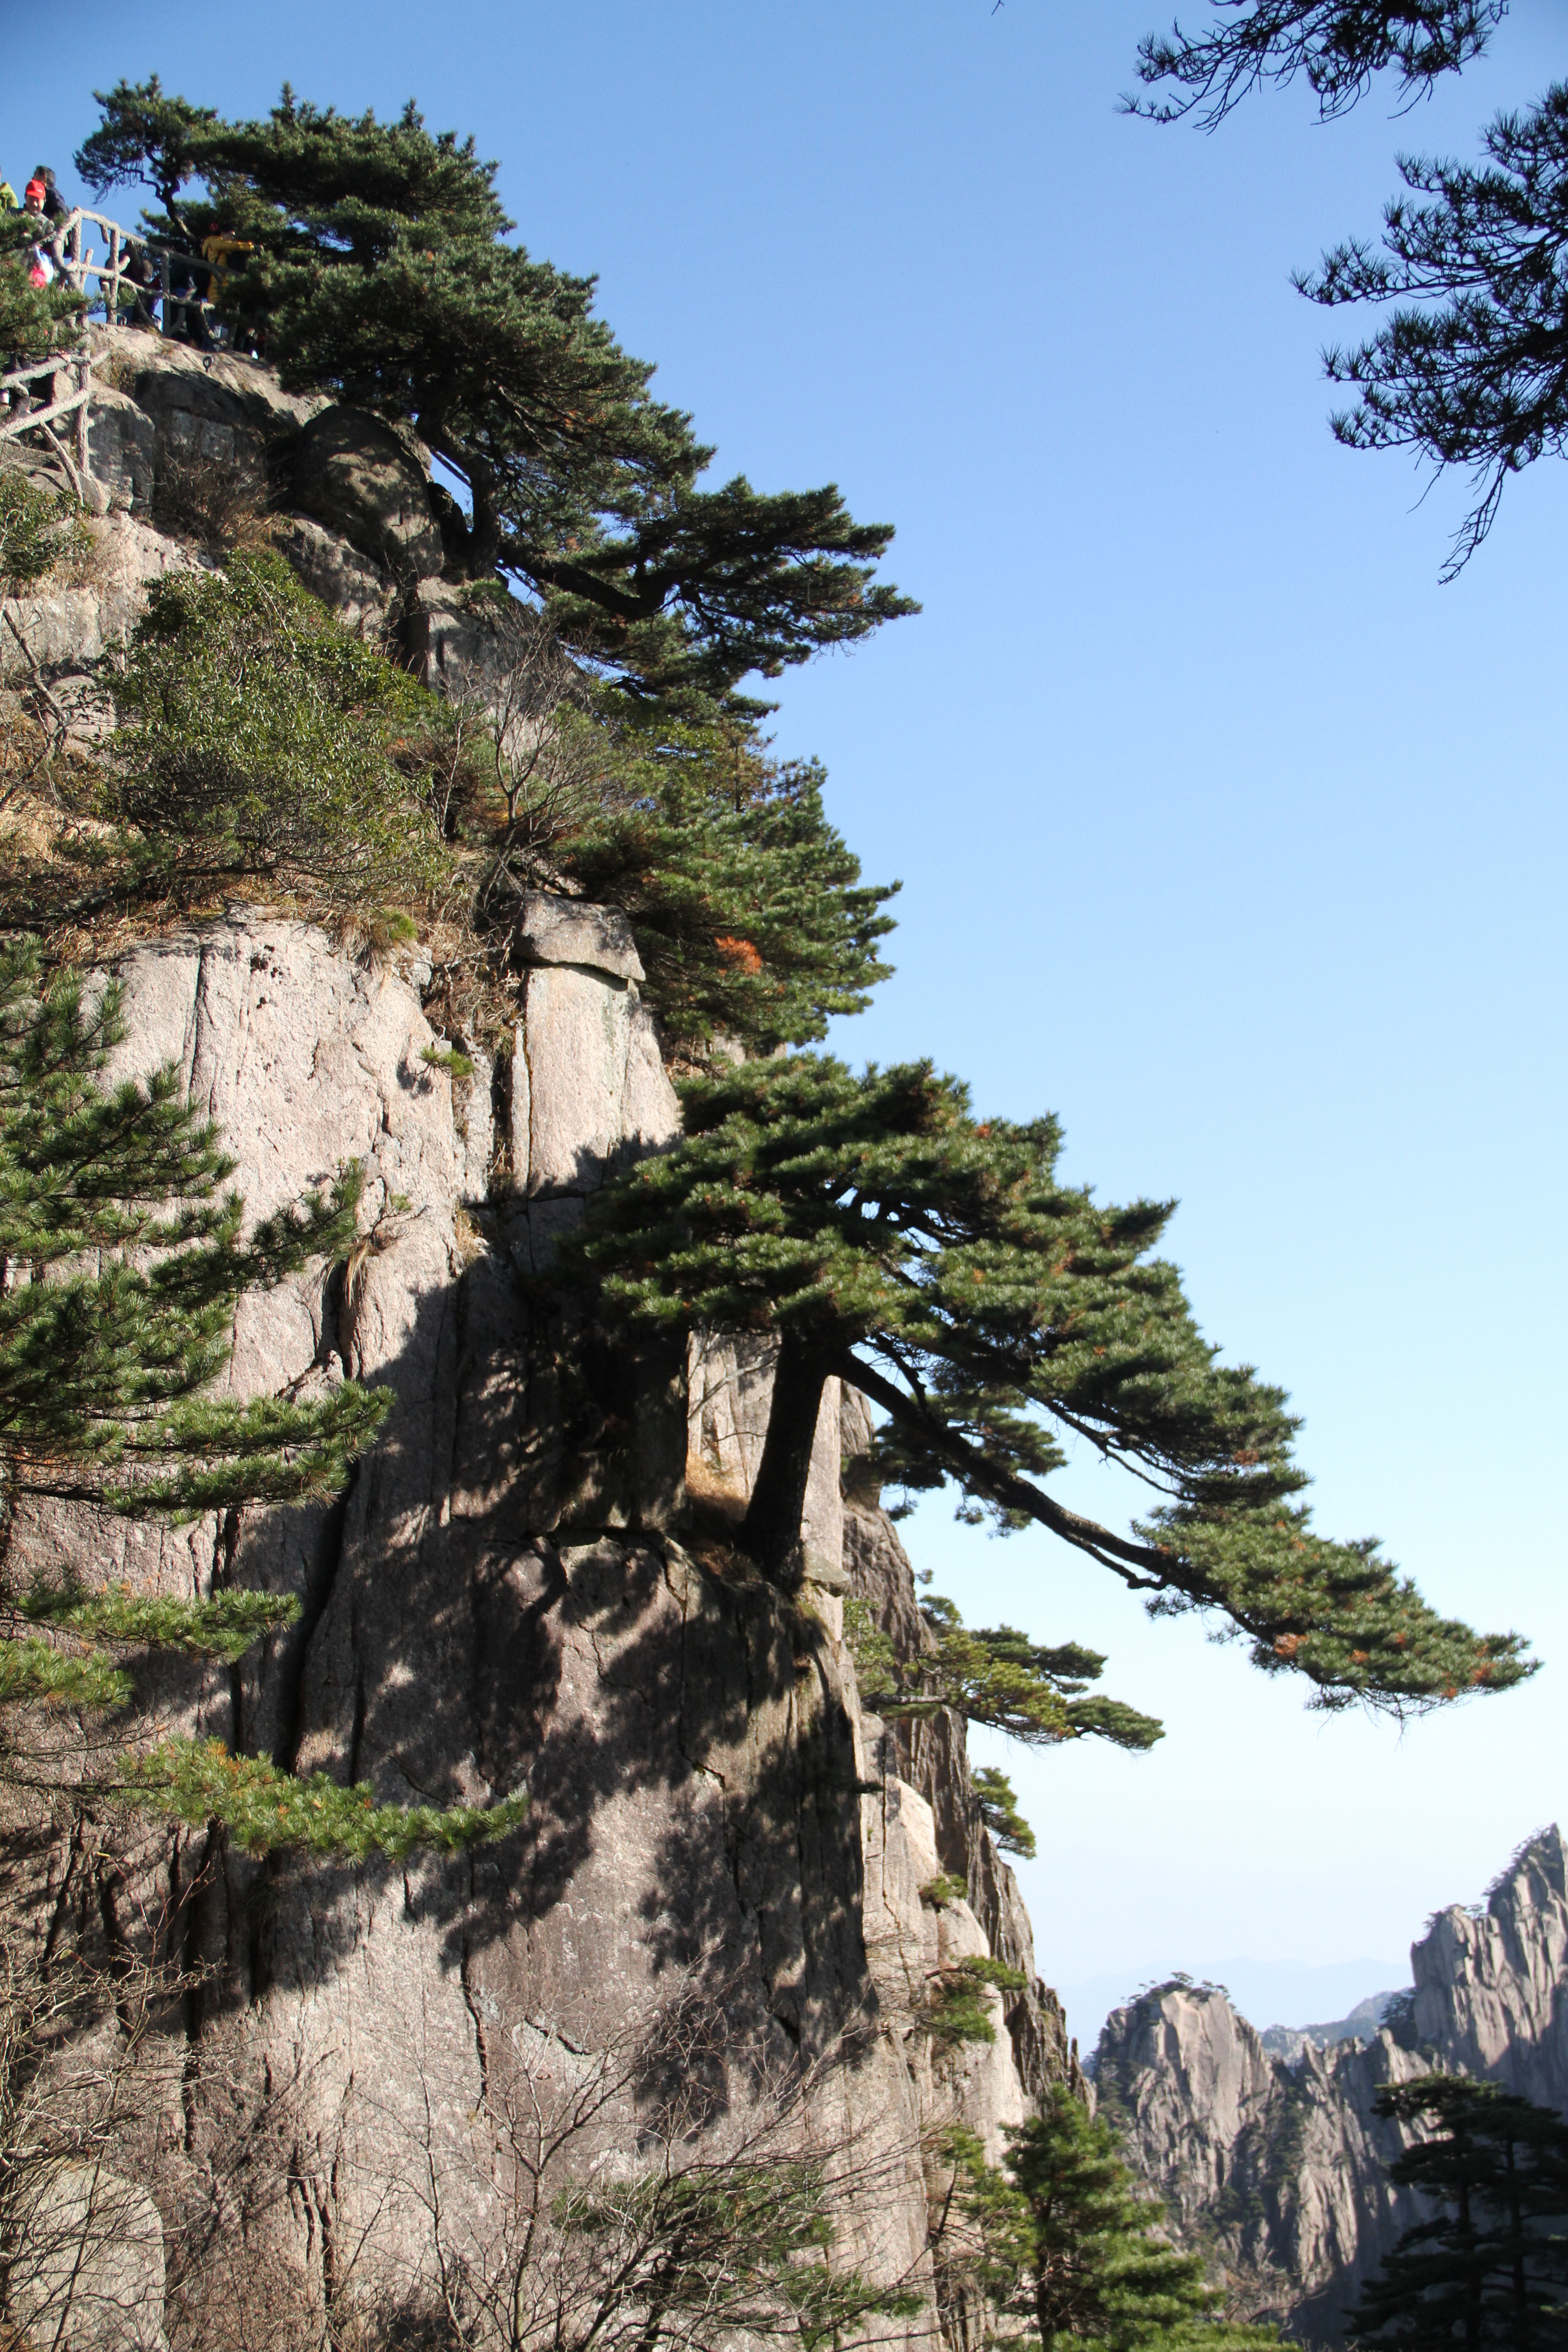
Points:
(1477, 375)
(1471, 368)
(936, 1264)
(749, 915)
(1490, 2267)
(994, 1676)
(383, 271)
(1335, 46)
(1061, 2237)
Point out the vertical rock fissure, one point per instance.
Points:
(471, 2003)
(295, 1647)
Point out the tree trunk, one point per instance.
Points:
(770, 1529)
(1472, 2319)
(484, 534)
(1523, 2331)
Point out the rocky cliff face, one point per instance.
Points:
(1278, 2170)
(527, 1583)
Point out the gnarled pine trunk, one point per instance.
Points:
(770, 1529)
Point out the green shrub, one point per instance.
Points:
(39, 529)
(259, 740)
(955, 2009)
(999, 1812)
(35, 321)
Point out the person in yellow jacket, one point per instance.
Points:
(221, 250)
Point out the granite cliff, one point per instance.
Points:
(1277, 2169)
(527, 1583)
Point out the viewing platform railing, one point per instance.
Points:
(171, 282)
(176, 273)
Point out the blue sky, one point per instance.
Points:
(1225, 833)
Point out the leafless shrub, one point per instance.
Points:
(658, 2191)
(220, 506)
(526, 745)
(233, 2201)
(87, 2072)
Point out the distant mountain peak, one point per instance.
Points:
(1265, 2148)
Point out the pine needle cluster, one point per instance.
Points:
(1335, 49)
(122, 1258)
(748, 909)
(956, 2012)
(999, 1812)
(995, 1676)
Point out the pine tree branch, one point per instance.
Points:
(1006, 1487)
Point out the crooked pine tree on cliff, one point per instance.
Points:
(122, 1260)
(383, 272)
(936, 1264)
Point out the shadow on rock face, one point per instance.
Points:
(681, 1732)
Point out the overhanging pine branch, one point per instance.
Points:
(1006, 1488)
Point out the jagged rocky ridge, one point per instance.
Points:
(527, 1581)
(1278, 2170)
(1289, 2042)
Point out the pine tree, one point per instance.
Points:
(999, 1812)
(1067, 2244)
(1473, 373)
(1492, 2268)
(122, 1258)
(936, 1264)
(748, 912)
(1476, 373)
(146, 139)
(1334, 48)
(384, 272)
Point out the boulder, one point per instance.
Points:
(552, 929)
(68, 629)
(347, 583)
(356, 476)
(589, 1089)
(123, 447)
(205, 407)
